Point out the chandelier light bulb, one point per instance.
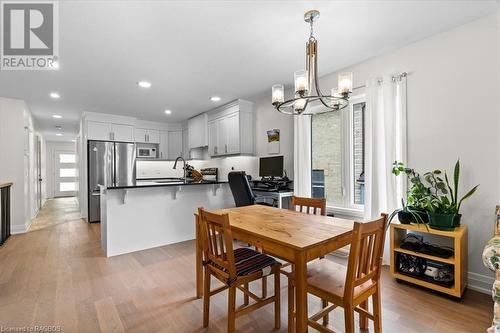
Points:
(345, 82)
(278, 93)
(301, 84)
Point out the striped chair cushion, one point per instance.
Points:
(249, 261)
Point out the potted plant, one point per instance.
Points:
(406, 215)
(417, 192)
(442, 204)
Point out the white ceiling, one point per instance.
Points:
(191, 50)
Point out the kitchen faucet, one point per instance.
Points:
(184, 167)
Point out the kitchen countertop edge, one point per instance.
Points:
(168, 185)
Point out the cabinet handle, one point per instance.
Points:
(226, 147)
(215, 150)
(110, 136)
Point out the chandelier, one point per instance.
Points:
(307, 90)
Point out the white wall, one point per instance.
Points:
(266, 118)
(453, 112)
(16, 160)
(51, 147)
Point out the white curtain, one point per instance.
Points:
(302, 158)
(385, 126)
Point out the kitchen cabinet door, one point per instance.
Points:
(222, 131)
(232, 123)
(140, 135)
(212, 138)
(153, 136)
(198, 131)
(185, 144)
(163, 145)
(174, 144)
(123, 133)
(98, 131)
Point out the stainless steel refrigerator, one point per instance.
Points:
(109, 164)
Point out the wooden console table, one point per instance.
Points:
(4, 211)
(458, 260)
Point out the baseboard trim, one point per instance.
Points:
(479, 282)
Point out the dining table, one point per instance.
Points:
(289, 235)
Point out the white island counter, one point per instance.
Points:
(149, 215)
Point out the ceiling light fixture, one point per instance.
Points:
(55, 95)
(215, 98)
(144, 84)
(168, 111)
(307, 80)
(58, 134)
(56, 116)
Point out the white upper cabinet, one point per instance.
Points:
(109, 132)
(174, 144)
(147, 135)
(231, 129)
(98, 131)
(197, 131)
(164, 145)
(123, 133)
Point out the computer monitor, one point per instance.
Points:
(271, 166)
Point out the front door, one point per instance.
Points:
(65, 174)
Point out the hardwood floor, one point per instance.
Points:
(57, 275)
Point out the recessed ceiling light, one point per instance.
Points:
(56, 116)
(168, 111)
(58, 134)
(73, 140)
(55, 95)
(215, 98)
(144, 84)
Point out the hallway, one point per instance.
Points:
(56, 211)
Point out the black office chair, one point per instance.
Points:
(242, 191)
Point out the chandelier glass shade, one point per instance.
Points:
(307, 92)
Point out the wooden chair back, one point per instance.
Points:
(309, 205)
(217, 242)
(365, 257)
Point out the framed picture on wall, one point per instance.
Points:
(273, 141)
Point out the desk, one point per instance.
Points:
(278, 195)
(289, 235)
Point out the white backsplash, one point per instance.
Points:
(164, 169)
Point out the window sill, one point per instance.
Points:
(344, 212)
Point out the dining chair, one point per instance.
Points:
(235, 269)
(309, 205)
(350, 287)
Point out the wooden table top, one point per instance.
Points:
(5, 184)
(290, 228)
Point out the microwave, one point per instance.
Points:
(146, 152)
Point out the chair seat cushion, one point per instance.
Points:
(249, 261)
(330, 277)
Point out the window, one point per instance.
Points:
(67, 158)
(66, 187)
(63, 173)
(338, 147)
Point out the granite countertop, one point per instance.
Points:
(141, 183)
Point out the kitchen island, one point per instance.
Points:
(155, 213)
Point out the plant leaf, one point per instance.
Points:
(471, 192)
(456, 177)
